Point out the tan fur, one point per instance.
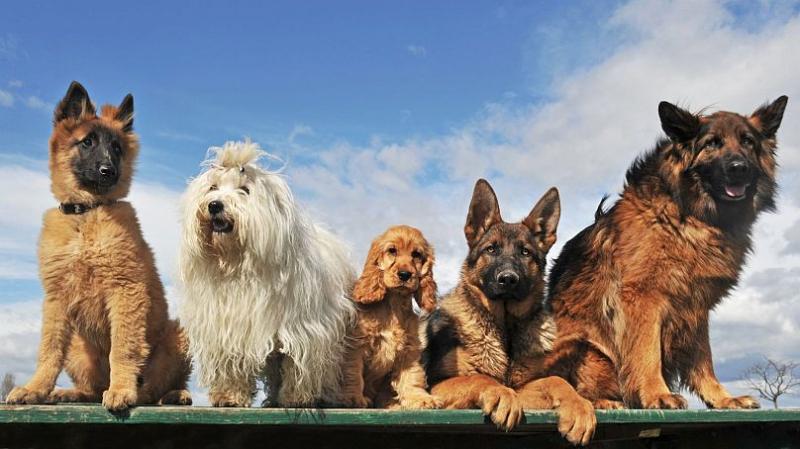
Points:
(105, 315)
(382, 366)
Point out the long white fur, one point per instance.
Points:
(278, 282)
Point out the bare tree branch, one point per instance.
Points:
(772, 379)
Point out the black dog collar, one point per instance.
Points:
(77, 208)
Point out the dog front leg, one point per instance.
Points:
(352, 391)
(408, 380)
(699, 376)
(56, 334)
(640, 358)
(129, 306)
(497, 401)
(576, 418)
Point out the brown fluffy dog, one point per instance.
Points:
(382, 367)
(632, 292)
(486, 343)
(105, 316)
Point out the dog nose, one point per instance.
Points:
(738, 168)
(404, 275)
(507, 279)
(215, 207)
(107, 171)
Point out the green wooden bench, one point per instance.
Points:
(81, 426)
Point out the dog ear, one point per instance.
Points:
(75, 103)
(125, 113)
(679, 124)
(369, 287)
(484, 212)
(768, 117)
(426, 293)
(543, 219)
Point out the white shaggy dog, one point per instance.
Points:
(265, 289)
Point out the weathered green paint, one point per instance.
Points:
(95, 414)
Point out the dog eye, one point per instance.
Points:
(713, 143)
(747, 141)
(392, 251)
(212, 188)
(416, 254)
(245, 189)
(87, 142)
(525, 251)
(491, 249)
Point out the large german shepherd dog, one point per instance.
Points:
(632, 292)
(105, 316)
(486, 343)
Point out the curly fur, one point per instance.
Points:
(382, 367)
(274, 287)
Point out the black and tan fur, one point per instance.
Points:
(486, 344)
(632, 293)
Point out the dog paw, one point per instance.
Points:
(420, 401)
(737, 402)
(356, 402)
(71, 395)
(502, 405)
(223, 399)
(22, 395)
(118, 399)
(176, 397)
(608, 404)
(665, 401)
(577, 421)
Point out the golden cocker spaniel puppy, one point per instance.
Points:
(382, 367)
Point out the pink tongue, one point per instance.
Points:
(735, 191)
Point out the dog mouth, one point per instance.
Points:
(734, 192)
(221, 225)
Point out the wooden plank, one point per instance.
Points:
(95, 414)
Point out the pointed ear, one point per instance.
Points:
(74, 104)
(369, 287)
(679, 124)
(543, 219)
(768, 117)
(426, 293)
(125, 113)
(484, 212)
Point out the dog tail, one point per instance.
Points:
(600, 212)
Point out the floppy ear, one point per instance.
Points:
(768, 117)
(426, 293)
(543, 219)
(484, 212)
(125, 113)
(369, 287)
(679, 124)
(74, 104)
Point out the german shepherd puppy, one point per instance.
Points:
(105, 316)
(632, 292)
(486, 344)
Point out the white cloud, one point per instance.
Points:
(6, 99)
(299, 130)
(35, 102)
(16, 84)
(417, 50)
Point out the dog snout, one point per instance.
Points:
(404, 275)
(215, 207)
(107, 170)
(507, 279)
(737, 169)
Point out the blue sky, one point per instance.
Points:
(387, 113)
